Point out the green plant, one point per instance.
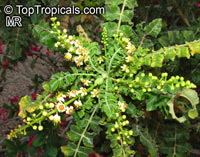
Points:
(113, 92)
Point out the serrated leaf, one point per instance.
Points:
(127, 16)
(163, 41)
(131, 4)
(147, 60)
(75, 134)
(188, 35)
(183, 52)
(154, 27)
(157, 60)
(53, 85)
(194, 48)
(174, 36)
(170, 54)
(109, 104)
(112, 13)
(70, 149)
(126, 30)
(151, 103)
(113, 2)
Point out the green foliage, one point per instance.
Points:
(117, 88)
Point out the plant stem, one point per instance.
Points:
(121, 14)
(82, 135)
(50, 113)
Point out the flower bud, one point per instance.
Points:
(112, 129)
(41, 107)
(40, 128)
(34, 127)
(44, 113)
(124, 116)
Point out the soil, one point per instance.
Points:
(16, 84)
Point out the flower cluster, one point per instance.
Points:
(118, 129)
(76, 52)
(129, 49)
(148, 82)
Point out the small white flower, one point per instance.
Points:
(83, 91)
(61, 107)
(73, 93)
(122, 106)
(79, 51)
(61, 97)
(71, 49)
(95, 93)
(70, 37)
(130, 48)
(69, 110)
(78, 103)
(56, 119)
(125, 68)
(78, 43)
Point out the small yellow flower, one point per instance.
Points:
(126, 40)
(129, 59)
(78, 104)
(68, 56)
(61, 107)
(86, 58)
(85, 51)
(131, 48)
(82, 91)
(100, 59)
(85, 82)
(87, 68)
(69, 110)
(95, 93)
